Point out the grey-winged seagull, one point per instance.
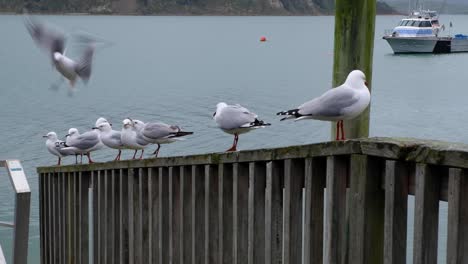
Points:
(53, 42)
(344, 102)
(110, 138)
(83, 143)
(57, 147)
(236, 120)
(159, 133)
(132, 139)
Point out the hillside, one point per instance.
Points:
(180, 7)
(451, 6)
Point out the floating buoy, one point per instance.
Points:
(263, 39)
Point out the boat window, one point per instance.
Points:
(415, 23)
(435, 22)
(425, 24)
(402, 23)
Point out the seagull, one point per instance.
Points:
(83, 143)
(159, 133)
(131, 138)
(57, 147)
(236, 120)
(53, 43)
(344, 102)
(110, 137)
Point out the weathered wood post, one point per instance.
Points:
(354, 45)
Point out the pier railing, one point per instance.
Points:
(260, 206)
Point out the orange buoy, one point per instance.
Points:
(263, 39)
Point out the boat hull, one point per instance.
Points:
(427, 44)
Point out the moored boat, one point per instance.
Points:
(420, 32)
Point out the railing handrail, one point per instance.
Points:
(409, 149)
(20, 223)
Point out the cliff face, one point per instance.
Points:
(174, 7)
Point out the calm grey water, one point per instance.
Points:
(175, 69)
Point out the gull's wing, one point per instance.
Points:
(83, 67)
(235, 116)
(86, 140)
(46, 38)
(331, 103)
(159, 130)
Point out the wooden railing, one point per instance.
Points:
(260, 206)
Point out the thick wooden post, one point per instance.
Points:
(354, 45)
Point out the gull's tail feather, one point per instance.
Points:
(291, 114)
(181, 134)
(257, 124)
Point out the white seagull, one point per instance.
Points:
(132, 139)
(53, 42)
(236, 120)
(344, 102)
(159, 133)
(57, 147)
(110, 137)
(83, 143)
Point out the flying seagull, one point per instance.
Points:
(53, 43)
(344, 102)
(236, 120)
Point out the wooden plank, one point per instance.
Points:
(457, 225)
(56, 218)
(84, 241)
(366, 212)
(163, 215)
(100, 217)
(62, 199)
(186, 216)
(274, 212)
(95, 209)
(396, 211)
(426, 214)
(315, 178)
(153, 174)
(132, 206)
(256, 229)
(335, 219)
(145, 212)
(137, 215)
(198, 214)
(105, 216)
(293, 184)
(240, 212)
(174, 214)
(117, 175)
(41, 219)
(211, 215)
(77, 228)
(124, 217)
(225, 213)
(111, 217)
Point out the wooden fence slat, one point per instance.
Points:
(124, 216)
(84, 179)
(396, 211)
(457, 225)
(225, 213)
(163, 215)
(274, 212)
(366, 212)
(211, 214)
(186, 216)
(198, 214)
(335, 220)
(293, 184)
(175, 207)
(145, 211)
(153, 184)
(426, 215)
(315, 177)
(256, 228)
(240, 212)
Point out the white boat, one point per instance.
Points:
(420, 33)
